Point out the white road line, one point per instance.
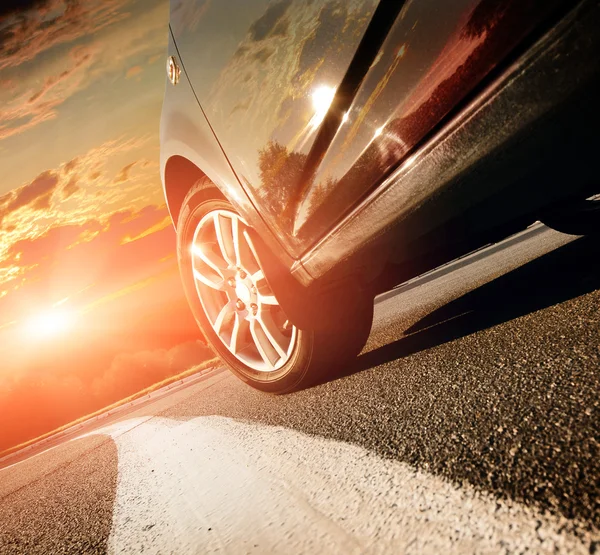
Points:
(216, 484)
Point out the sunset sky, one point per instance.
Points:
(86, 246)
(81, 87)
(91, 304)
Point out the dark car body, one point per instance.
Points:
(361, 135)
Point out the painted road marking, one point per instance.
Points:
(216, 484)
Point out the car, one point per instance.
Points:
(315, 153)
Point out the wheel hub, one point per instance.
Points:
(243, 291)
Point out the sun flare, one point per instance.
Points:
(322, 97)
(50, 324)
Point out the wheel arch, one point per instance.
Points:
(180, 175)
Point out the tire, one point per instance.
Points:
(580, 217)
(234, 306)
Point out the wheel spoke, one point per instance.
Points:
(273, 334)
(235, 235)
(209, 258)
(264, 298)
(217, 285)
(251, 251)
(263, 345)
(239, 334)
(248, 258)
(235, 334)
(224, 238)
(226, 311)
(268, 299)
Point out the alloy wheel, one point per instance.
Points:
(234, 293)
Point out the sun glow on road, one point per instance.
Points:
(49, 324)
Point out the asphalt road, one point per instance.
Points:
(470, 424)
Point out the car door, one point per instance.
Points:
(316, 102)
(436, 58)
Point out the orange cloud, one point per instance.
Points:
(44, 24)
(85, 51)
(51, 243)
(165, 222)
(92, 256)
(8, 85)
(124, 173)
(118, 226)
(70, 165)
(133, 71)
(33, 107)
(36, 194)
(70, 188)
(87, 172)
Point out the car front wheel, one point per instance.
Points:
(227, 289)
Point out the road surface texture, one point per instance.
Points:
(470, 424)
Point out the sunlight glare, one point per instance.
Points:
(50, 324)
(322, 97)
